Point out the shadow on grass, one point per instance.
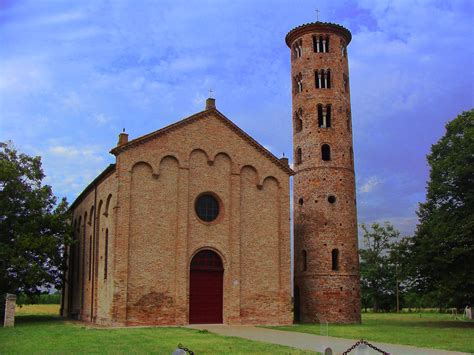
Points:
(37, 318)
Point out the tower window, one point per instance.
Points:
(298, 120)
(346, 82)
(298, 49)
(304, 257)
(351, 154)
(331, 199)
(322, 79)
(324, 116)
(335, 259)
(299, 156)
(298, 82)
(326, 152)
(300, 201)
(343, 48)
(321, 44)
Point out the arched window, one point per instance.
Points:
(318, 80)
(326, 152)
(320, 116)
(107, 205)
(106, 253)
(322, 79)
(90, 257)
(346, 83)
(91, 215)
(298, 83)
(299, 156)
(328, 116)
(298, 49)
(316, 44)
(304, 257)
(301, 201)
(326, 47)
(324, 116)
(298, 121)
(335, 259)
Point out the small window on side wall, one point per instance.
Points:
(304, 256)
(335, 259)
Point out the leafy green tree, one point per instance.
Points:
(378, 280)
(443, 245)
(34, 228)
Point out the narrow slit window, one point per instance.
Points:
(299, 156)
(335, 259)
(305, 260)
(106, 253)
(298, 121)
(90, 257)
(320, 116)
(328, 116)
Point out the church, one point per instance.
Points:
(192, 222)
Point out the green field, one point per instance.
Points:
(430, 330)
(39, 330)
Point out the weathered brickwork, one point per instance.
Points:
(153, 230)
(323, 291)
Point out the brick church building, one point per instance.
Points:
(192, 222)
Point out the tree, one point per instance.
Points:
(34, 228)
(443, 245)
(378, 275)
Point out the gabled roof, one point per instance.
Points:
(194, 118)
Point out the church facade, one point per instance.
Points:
(192, 222)
(190, 225)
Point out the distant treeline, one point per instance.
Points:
(54, 298)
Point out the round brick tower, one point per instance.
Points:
(325, 231)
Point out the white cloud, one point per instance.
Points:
(102, 119)
(370, 184)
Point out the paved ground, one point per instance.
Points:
(309, 341)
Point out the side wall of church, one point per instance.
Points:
(159, 231)
(89, 288)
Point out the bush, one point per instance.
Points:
(54, 298)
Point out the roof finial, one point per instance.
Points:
(123, 130)
(317, 15)
(210, 93)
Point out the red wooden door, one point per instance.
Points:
(206, 288)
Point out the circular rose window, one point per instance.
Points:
(207, 207)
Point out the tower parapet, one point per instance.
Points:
(327, 281)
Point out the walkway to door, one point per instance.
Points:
(311, 342)
(206, 288)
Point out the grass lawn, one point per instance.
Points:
(38, 329)
(430, 330)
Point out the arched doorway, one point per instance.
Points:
(206, 288)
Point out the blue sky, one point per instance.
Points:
(73, 74)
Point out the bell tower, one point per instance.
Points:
(326, 268)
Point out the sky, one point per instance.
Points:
(74, 73)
